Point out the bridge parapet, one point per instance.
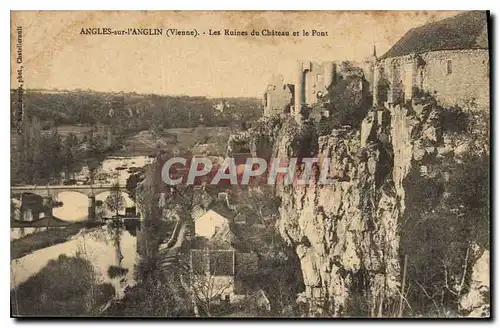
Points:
(53, 190)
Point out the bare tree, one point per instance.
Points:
(115, 202)
(262, 204)
(115, 229)
(208, 290)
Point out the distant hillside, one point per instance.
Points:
(136, 111)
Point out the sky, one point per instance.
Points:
(57, 56)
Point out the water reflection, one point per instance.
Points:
(74, 206)
(98, 246)
(105, 246)
(16, 233)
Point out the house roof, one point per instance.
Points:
(246, 307)
(221, 208)
(464, 31)
(223, 262)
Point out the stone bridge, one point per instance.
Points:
(54, 190)
(51, 191)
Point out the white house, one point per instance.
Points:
(210, 223)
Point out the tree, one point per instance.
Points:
(71, 285)
(115, 229)
(69, 149)
(262, 204)
(206, 287)
(281, 278)
(154, 295)
(444, 218)
(132, 182)
(93, 165)
(53, 154)
(208, 290)
(115, 202)
(348, 101)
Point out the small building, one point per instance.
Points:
(240, 218)
(131, 211)
(210, 223)
(251, 306)
(220, 275)
(218, 259)
(260, 300)
(448, 59)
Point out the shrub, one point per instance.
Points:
(324, 127)
(454, 120)
(347, 101)
(66, 286)
(114, 271)
(104, 292)
(444, 217)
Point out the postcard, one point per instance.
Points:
(250, 164)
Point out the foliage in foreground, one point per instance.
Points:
(67, 286)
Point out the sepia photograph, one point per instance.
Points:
(250, 164)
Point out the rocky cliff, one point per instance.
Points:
(349, 235)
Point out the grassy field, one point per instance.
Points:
(210, 140)
(64, 130)
(32, 242)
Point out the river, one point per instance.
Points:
(99, 249)
(16, 233)
(111, 170)
(95, 246)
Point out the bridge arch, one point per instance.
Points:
(74, 206)
(81, 209)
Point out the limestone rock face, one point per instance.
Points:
(346, 234)
(351, 225)
(475, 303)
(367, 127)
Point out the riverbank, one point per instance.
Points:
(33, 242)
(68, 285)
